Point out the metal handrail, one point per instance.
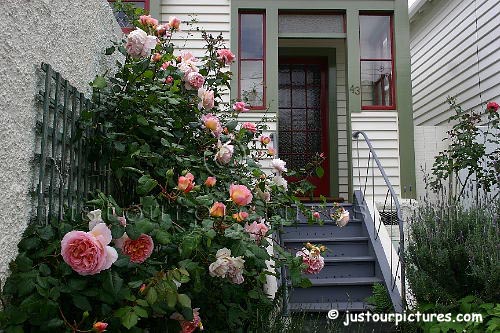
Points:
(394, 199)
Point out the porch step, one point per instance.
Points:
(325, 307)
(350, 269)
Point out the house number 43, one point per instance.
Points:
(354, 89)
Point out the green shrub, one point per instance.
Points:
(453, 253)
(380, 299)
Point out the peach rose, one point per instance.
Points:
(218, 210)
(174, 22)
(226, 266)
(139, 44)
(225, 56)
(156, 57)
(100, 326)
(138, 250)
(271, 151)
(206, 99)
(241, 216)
(224, 153)
(185, 183)
(265, 140)
(87, 253)
(256, 230)
(210, 182)
(240, 194)
(148, 20)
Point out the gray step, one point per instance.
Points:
(346, 267)
(306, 231)
(337, 246)
(325, 307)
(335, 290)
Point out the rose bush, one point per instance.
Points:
(190, 209)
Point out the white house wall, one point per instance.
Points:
(444, 57)
(381, 128)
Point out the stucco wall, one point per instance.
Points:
(69, 35)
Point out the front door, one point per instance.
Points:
(303, 115)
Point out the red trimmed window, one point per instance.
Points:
(122, 18)
(251, 58)
(377, 62)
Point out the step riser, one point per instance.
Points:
(324, 231)
(344, 270)
(330, 294)
(336, 249)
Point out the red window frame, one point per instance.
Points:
(263, 59)
(392, 77)
(126, 30)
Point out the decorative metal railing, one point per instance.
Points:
(65, 176)
(366, 182)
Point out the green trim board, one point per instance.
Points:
(330, 53)
(154, 8)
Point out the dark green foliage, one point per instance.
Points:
(380, 300)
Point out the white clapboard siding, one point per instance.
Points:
(381, 128)
(451, 56)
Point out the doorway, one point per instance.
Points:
(303, 124)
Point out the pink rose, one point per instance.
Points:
(492, 106)
(316, 215)
(240, 107)
(256, 230)
(271, 151)
(249, 127)
(139, 44)
(185, 183)
(207, 99)
(210, 182)
(240, 194)
(225, 56)
(194, 80)
(138, 250)
(169, 79)
(87, 253)
(174, 22)
(165, 65)
(279, 165)
(226, 266)
(224, 153)
(188, 326)
(161, 30)
(148, 20)
(265, 140)
(314, 263)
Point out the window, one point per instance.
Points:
(377, 63)
(122, 18)
(251, 59)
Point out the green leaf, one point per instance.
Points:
(144, 226)
(129, 320)
(151, 296)
(55, 322)
(140, 311)
(184, 300)
(171, 297)
(132, 231)
(320, 172)
(46, 233)
(110, 50)
(162, 237)
(82, 302)
(113, 283)
(99, 82)
(117, 231)
(77, 284)
(231, 125)
(146, 185)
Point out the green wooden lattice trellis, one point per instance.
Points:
(65, 176)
